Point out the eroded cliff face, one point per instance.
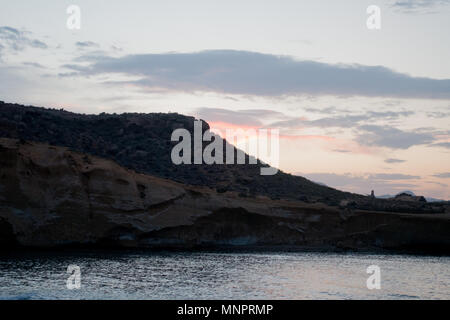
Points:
(50, 196)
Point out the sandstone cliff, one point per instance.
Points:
(51, 196)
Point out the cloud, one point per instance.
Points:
(387, 136)
(364, 183)
(438, 183)
(345, 121)
(438, 114)
(414, 6)
(249, 117)
(16, 40)
(441, 144)
(34, 65)
(442, 175)
(116, 48)
(288, 124)
(251, 73)
(86, 44)
(327, 110)
(364, 134)
(392, 176)
(392, 160)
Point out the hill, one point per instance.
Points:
(142, 142)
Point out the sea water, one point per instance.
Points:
(221, 275)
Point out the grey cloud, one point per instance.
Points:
(442, 175)
(387, 136)
(251, 73)
(414, 6)
(438, 114)
(34, 64)
(392, 103)
(392, 176)
(67, 74)
(242, 117)
(369, 135)
(438, 184)
(16, 40)
(352, 120)
(74, 67)
(392, 160)
(86, 44)
(442, 144)
(341, 150)
(280, 120)
(327, 110)
(116, 48)
(382, 184)
(345, 121)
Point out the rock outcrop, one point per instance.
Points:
(51, 196)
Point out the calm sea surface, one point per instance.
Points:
(212, 275)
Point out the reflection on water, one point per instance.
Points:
(212, 275)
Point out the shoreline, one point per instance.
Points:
(95, 249)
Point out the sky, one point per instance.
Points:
(358, 109)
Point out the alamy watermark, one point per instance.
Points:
(374, 281)
(374, 20)
(259, 143)
(74, 280)
(74, 19)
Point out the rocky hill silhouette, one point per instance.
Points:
(142, 142)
